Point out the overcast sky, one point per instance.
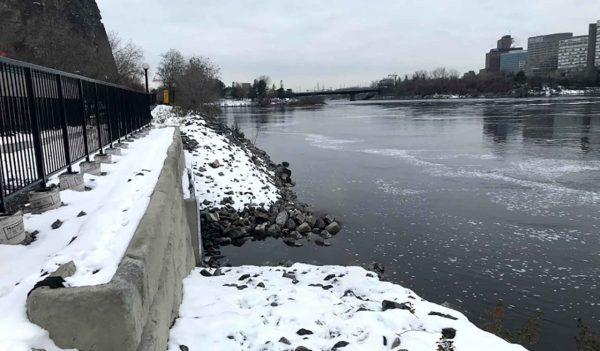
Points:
(338, 42)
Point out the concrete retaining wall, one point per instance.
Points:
(136, 308)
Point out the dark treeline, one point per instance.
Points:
(448, 82)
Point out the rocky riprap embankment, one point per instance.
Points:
(224, 224)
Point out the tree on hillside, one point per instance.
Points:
(198, 85)
(128, 58)
(171, 67)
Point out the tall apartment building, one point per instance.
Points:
(596, 37)
(493, 57)
(514, 61)
(573, 54)
(543, 52)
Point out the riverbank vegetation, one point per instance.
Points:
(530, 333)
(443, 81)
(193, 83)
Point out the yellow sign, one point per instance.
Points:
(166, 96)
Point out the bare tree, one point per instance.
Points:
(197, 86)
(128, 58)
(171, 67)
(440, 73)
(420, 75)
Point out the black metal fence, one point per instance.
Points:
(51, 119)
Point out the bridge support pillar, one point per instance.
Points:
(352, 97)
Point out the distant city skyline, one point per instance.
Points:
(344, 43)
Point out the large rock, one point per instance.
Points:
(333, 228)
(60, 34)
(282, 218)
(303, 228)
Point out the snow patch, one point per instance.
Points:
(252, 308)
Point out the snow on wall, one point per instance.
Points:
(96, 241)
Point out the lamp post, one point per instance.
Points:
(146, 66)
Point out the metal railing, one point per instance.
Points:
(51, 119)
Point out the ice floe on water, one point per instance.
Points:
(324, 142)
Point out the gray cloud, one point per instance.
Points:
(335, 42)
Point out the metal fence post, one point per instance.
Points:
(97, 111)
(84, 121)
(2, 204)
(63, 114)
(109, 97)
(37, 139)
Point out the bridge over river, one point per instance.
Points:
(352, 92)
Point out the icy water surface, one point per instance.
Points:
(465, 202)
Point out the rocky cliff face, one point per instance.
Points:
(64, 34)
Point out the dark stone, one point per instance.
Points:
(57, 224)
(384, 341)
(449, 333)
(291, 242)
(274, 230)
(391, 305)
(340, 344)
(333, 228)
(396, 343)
(290, 224)
(325, 234)
(321, 242)
(81, 214)
(205, 273)
(302, 348)
(239, 242)
(320, 223)
(328, 219)
(260, 285)
(303, 228)
(183, 348)
(285, 164)
(244, 277)
(433, 313)
(224, 241)
(329, 277)
(284, 341)
(303, 331)
(289, 275)
(50, 282)
(311, 220)
(282, 218)
(212, 217)
(215, 164)
(296, 235)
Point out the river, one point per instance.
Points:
(464, 201)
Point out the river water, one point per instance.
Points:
(463, 201)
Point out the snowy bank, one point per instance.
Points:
(318, 308)
(243, 195)
(94, 232)
(225, 173)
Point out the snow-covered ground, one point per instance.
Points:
(95, 240)
(278, 308)
(236, 103)
(222, 170)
